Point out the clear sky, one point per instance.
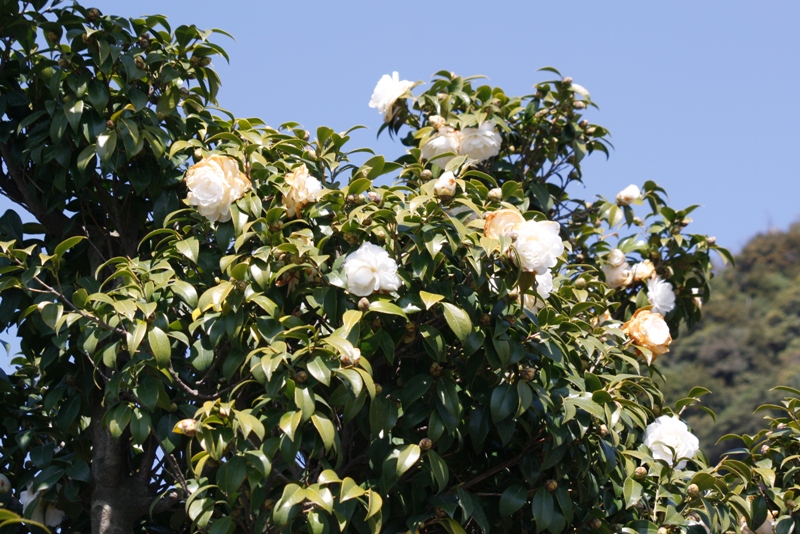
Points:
(700, 97)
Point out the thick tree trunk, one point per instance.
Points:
(119, 497)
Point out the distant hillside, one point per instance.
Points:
(747, 343)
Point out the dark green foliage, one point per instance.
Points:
(748, 340)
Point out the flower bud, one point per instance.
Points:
(485, 319)
(411, 328)
(789, 504)
(663, 530)
(351, 238)
(378, 389)
(580, 104)
(566, 80)
(692, 490)
(268, 504)
(110, 125)
(528, 374)
(496, 194)
(301, 377)
(551, 485)
(436, 370)
(426, 174)
(206, 61)
(63, 63)
(711, 240)
(591, 131)
(764, 449)
(139, 62)
(595, 524)
(639, 473)
(445, 186)
(5, 484)
(363, 304)
(225, 410)
(580, 283)
(513, 293)
(425, 444)
(437, 121)
(373, 196)
(93, 14)
(187, 427)
(173, 407)
(583, 124)
(538, 95)
(144, 42)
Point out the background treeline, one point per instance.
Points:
(747, 343)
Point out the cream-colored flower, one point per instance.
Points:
(649, 330)
(447, 140)
(370, 269)
(5, 484)
(628, 195)
(502, 223)
(544, 287)
(617, 270)
(437, 121)
(54, 515)
(767, 527)
(386, 93)
(661, 295)
(643, 270)
(303, 189)
(482, 142)
(214, 184)
(538, 245)
(667, 434)
(51, 516)
(445, 186)
(352, 357)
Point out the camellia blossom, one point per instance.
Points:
(649, 330)
(502, 223)
(538, 245)
(445, 185)
(667, 434)
(629, 195)
(660, 295)
(5, 484)
(304, 189)
(617, 270)
(370, 269)
(643, 270)
(386, 93)
(767, 527)
(214, 184)
(482, 142)
(544, 287)
(52, 516)
(447, 140)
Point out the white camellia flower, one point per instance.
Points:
(544, 287)
(538, 245)
(370, 269)
(649, 330)
(502, 223)
(437, 121)
(660, 295)
(5, 484)
(482, 142)
(668, 433)
(386, 93)
(445, 185)
(643, 270)
(304, 189)
(629, 195)
(618, 276)
(767, 527)
(447, 140)
(617, 269)
(52, 516)
(214, 184)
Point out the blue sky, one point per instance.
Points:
(700, 97)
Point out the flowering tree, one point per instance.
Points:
(229, 327)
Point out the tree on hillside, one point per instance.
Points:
(229, 327)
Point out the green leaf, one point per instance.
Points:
(140, 426)
(543, 508)
(189, 247)
(319, 370)
(214, 297)
(429, 299)
(632, 492)
(185, 291)
(223, 525)
(231, 474)
(382, 306)
(160, 345)
(439, 468)
(375, 503)
(512, 499)
(504, 402)
(67, 244)
(73, 112)
(458, 320)
(407, 458)
(106, 143)
(326, 430)
(350, 490)
(249, 423)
